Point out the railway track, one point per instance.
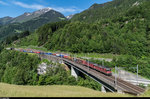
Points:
(137, 89)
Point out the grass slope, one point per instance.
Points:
(7, 90)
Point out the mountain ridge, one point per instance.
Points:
(32, 24)
(30, 15)
(107, 10)
(24, 17)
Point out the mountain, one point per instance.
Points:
(5, 20)
(28, 16)
(69, 17)
(48, 16)
(107, 10)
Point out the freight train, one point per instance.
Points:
(103, 69)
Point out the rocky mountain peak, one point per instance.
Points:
(27, 13)
(42, 11)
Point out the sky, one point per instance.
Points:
(14, 8)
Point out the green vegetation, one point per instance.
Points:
(15, 37)
(29, 40)
(31, 47)
(46, 61)
(18, 68)
(45, 32)
(1, 48)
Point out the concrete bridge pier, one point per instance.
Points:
(103, 89)
(74, 72)
(61, 62)
(120, 91)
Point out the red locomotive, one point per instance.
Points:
(103, 69)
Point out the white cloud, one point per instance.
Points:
(64, 10)
(33, 6)
(67, 10)
(37, 6)
(3, 3)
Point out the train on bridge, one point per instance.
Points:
(103, 69)
(101, 73)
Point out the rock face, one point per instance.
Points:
(42, 68)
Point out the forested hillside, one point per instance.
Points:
(126, 34)
(108, 10)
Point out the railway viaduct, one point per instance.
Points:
(109, 83)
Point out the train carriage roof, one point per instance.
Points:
(106, 67)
